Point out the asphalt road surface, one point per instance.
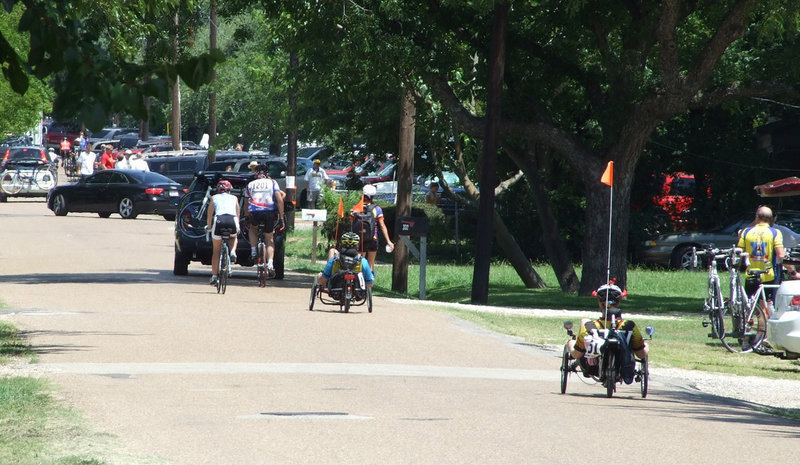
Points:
(178, 373)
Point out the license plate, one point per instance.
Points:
(173, 193)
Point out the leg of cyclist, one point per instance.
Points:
(216, 246)
(252, 232)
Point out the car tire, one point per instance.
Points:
(682, 257)
(169, 217)
(127, 208)
(180, 266)
(60, 205)
(104, 214)
(3, 198)
(303, 199)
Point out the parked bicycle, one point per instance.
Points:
(715, 305)
(26, 179)
(748, 314)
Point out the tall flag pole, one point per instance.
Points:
(608, 180)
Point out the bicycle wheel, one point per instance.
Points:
(313, 297)
(565, 359)
(644, 376)
(191, 220)
(717, 323)
(261, 265)
(10, 183)
(739, 338)
(222, 281)
(611, 375)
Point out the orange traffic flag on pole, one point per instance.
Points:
(608, 175)
(359, 207)
(341, 207)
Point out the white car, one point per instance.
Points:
(783, 327)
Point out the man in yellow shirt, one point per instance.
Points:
(764, 244)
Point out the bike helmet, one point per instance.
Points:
(610, 293)
(370, 190)
(224, 186)
(350, 240)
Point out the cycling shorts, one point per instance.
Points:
(222, 222)
(369, 245)
(267, 218)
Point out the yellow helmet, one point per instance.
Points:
(350, 240)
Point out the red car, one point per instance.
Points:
(55, 132)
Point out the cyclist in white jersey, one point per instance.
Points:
(223, 211)
(264, 206)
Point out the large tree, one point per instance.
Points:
(88, 47)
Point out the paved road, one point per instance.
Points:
(177, 372)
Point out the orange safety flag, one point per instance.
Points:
(608, 175)
(341, 207)
(359, 207)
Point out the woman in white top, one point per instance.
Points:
(223, 212)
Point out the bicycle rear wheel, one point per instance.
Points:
(10, 183)
(261, 265)
(611, 375)
(747, 332)
(224, 267)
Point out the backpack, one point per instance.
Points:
(364, 223)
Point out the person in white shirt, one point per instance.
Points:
(86, 163)
(125, 162)
(138, 163)
(316, 178)
(223, 212)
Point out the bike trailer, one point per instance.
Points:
(783, 327)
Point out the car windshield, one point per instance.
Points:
(24, 154)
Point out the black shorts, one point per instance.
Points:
(267, 218)
(224, 222)
(369, 245)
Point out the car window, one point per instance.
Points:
(301, 170)
(118, 178)
(187, 166)
(99, 178)
(24, 154)
(276, 169)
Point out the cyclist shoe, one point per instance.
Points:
(253, 254)
(213, 281)
(271, 270)
(233, 257)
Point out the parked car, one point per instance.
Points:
(127, 192)
(190, 239)
(34, 163)
(55, 132)
(180, 169)
(675, 249)
(112, 133)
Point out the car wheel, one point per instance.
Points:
(181, 265)
(303, 199)
(682, 257)
(3, 197)
(104, 214)
(60, 205)
(169, 217)
(127, 209)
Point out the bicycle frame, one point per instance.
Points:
(747, 312)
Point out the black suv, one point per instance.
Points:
(190, 239)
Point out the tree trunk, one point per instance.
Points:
(405, 174)
(555, 248)
(176, 97)
(488, 165)
(212, 95)
(291, 155)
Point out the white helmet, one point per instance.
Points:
(370, 190)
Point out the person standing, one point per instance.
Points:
(764, 244)
(124, 161)
(83, 141)
(85, 163)
(107, 159)
(138, 163)
(316, 177)
(432, 197)
(367, 218)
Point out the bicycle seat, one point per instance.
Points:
(757, 272)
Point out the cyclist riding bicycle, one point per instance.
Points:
(348, 248)
(608, 300)
(264, 207)
(223, 212)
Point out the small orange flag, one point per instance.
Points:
(608, 175)
(359, 207)
(341, 207)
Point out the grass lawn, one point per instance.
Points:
(680, 341)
